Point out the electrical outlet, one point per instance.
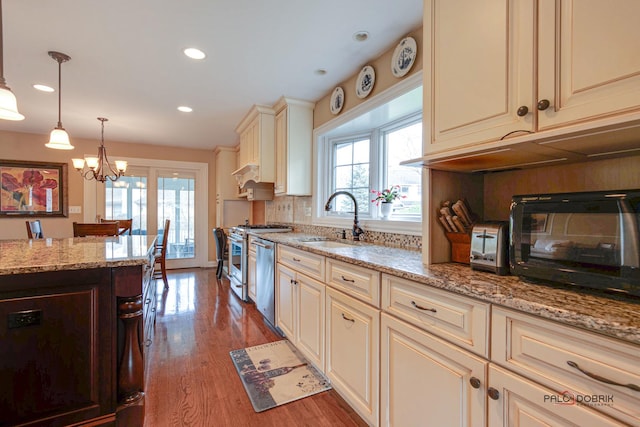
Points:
(75, 209)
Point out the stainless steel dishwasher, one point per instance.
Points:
(265, 279)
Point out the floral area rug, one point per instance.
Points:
(276, 373)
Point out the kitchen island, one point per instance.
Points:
(71, 330)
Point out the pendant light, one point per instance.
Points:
(59, 138)
(98, 167)
(8, 102)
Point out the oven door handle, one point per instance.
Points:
(236, 239)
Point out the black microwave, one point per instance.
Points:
(590, 239)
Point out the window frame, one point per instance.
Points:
(322, 162)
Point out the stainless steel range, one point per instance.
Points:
(239, 253)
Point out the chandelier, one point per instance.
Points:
(99, 168)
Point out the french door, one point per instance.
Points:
(155, 192)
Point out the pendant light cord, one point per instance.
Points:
(59, 92)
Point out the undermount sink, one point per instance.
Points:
(329, 244)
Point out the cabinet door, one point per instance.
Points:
(251, 275)
(353, 342)
(285, 301)
(427, 381)
(515, 401)
(281, 152)
(310, 325)
(589, 65)
(480, 54)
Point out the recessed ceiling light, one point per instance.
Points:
(44, 88)
(321, 71)
(360, 36)
(185, 109)
(194, 53)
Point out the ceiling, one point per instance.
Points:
(127, 62)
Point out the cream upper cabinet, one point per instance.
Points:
(503, 73)
(480, 54)
(426, 381)
(293, 136)
(588, 65)
(257, 146)
(226, 160)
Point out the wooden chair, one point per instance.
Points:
(125, 225)
(161, 256)
(96, 229)
(34, 229)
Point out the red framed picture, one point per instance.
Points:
(33, 189)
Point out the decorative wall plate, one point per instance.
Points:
(404, 56)
(365, 81)
(337, 100)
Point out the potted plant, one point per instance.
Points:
(385, 199)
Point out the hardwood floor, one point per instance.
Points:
(191, 380)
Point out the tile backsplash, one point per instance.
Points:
(296, 212)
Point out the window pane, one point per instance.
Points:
(361, 151)
(127, 198)
(404, 144)
(343, 176)
(344, 154)
(176, 202)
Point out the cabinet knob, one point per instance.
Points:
(522, 111)
(543, 104)
(475, 382)
(493, 393)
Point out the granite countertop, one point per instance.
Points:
(42, 255)
(611, 316)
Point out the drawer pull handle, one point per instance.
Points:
(601, 379)
(347, 280)
(295, 259)
(419, 307)
(475, 382)
(493, 393)
(147, 342)
(348, 319)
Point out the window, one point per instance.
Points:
(363, 163)
(362, 150)
(403, 142)
(350, 168)
(127, 198)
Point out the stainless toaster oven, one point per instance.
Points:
(590, 239)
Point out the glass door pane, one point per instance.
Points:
(176, 202)
(127, 198)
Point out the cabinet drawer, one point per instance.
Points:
(460, 320)
(356, 281)
(304, 262)
(570, 360)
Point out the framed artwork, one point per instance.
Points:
(33, 189)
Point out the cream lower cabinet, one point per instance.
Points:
(352, 363)
(300, 311)
(577, 369)
(517, 402)
(426, 381)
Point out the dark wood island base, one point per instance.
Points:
(72, 347)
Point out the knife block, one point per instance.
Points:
(460, 247)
